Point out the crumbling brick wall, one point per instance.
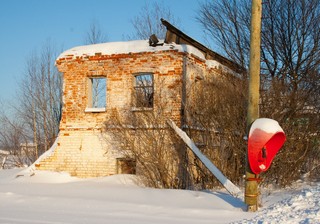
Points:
(82, 150)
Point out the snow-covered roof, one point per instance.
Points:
(136, 46)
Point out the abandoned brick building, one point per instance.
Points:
(127, 76)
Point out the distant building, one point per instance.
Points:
(3, 157)
(28, 149)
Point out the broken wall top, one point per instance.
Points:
(127, 47)
(133, 47)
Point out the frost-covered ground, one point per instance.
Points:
(53, 198)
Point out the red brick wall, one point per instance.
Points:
(81, 149)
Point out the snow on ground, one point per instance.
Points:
(300, 206)
(53, 198)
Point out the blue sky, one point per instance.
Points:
(27, 24)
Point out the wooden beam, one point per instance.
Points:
(229, 186)
(177, 36)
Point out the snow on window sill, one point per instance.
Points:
(133, 109)
(95, 110)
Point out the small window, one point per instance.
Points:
(97, 93)
(143, 90)
(126, 166)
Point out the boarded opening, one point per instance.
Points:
(126, 166)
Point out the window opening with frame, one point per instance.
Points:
(97, 94)
(143, 90)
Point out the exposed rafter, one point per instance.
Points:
(177, 36)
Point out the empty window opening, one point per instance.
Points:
(126, 166)
(143, 90)
(97, 93)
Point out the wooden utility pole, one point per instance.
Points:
(251, 186)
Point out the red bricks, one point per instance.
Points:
(82, 149)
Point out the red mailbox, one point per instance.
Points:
(266, 137)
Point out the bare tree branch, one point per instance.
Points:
(148, 21)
